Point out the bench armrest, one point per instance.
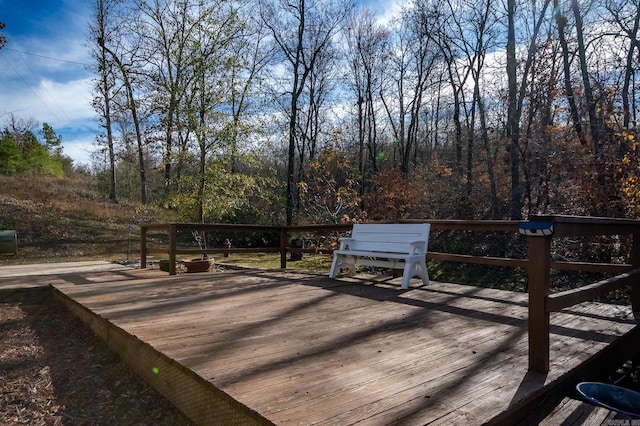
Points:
(344, 242)
(418, 247)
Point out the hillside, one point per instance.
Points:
(67, 219)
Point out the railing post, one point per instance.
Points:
(283, 247)
(635, 262)
(539, 282)
(539, 235)
(143, 247)
(172, 249)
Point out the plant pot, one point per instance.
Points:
(164, 265)
(198, 265)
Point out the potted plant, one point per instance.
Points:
(205, 262)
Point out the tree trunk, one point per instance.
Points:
(104, 66)
(594, 122)
(513, 122)
(136, 122)
(561, 21)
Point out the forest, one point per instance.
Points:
(318, 111)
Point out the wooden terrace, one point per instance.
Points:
(271, 347)
(280, 347)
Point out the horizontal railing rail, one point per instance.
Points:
(558, 301)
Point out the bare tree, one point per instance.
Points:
(513, 119)
(365, 44)
(214, 34)
(126, 72)
(168, 27)
(318, 88)
(413, 55)
(625, 15)
(561, 22)
(456, 74)
(481, 40)
(101, 30)
(244, 79)
(302, 30)
(517, 94)
(595, 123)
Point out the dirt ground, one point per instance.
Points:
(55, 371)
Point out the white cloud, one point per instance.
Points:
(79, 150)
(62, 103)
(67, 101)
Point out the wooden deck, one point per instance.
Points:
(260, 347)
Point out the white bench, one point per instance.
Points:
(396, 246)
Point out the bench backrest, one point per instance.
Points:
(390, 238)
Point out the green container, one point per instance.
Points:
(164, 265)
(8, 242)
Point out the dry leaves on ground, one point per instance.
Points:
(55, 371)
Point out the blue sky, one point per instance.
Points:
(42, 68)
(42, 71)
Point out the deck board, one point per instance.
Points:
(302, 349)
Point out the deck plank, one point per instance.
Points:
(301, 349)
(571, 412)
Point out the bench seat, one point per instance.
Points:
(395, 246)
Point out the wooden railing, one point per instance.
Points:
(538, 230)
(542, 303)
(174, 229)
(284, 247)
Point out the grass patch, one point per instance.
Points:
(67, 219)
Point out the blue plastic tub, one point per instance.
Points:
(616, 398)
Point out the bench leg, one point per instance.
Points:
(409, 271)
(425, 272)
(339, 262)
(415, 269)
(335, 267)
